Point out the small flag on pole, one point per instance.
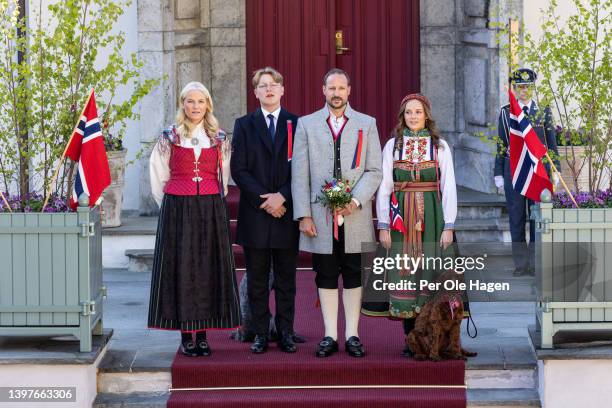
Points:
(529, 176)
(397, 222)
(86, 147)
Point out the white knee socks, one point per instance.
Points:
(351, 299)
(329, 308)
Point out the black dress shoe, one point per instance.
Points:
(297, 338)
(260, 345)
(203, 348)
(189, 349)
(406, 352)
(326, 347)
(353, 347)
(286, 344)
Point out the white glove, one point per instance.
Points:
(499, 181)
(555, 179)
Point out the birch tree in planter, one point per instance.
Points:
(43, 94)
(573, 61)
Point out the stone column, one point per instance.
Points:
(227, 60)
(184, 41)
(464, 75)
(156, 50)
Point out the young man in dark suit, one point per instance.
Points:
(261, 168)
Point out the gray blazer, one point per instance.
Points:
(313, 164)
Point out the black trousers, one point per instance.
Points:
(258, 263)
(330, 266)
(518, 207)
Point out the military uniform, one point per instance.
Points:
(518, 206)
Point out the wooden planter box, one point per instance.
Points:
(51, 274)
(573, 271)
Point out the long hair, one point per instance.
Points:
(209, 122)
(430, 125)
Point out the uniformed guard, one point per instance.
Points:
(518, 206)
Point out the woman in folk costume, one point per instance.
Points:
(193, 284)
(419, 182)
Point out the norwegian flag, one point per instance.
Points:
(397, 222)
(529, 176)
(86, 147)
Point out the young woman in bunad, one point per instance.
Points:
(193, 284)
(418, 171)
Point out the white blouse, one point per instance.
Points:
(448, 187)
(159, 163)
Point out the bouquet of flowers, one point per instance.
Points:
(336, 194)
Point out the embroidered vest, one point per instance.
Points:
(189, 176)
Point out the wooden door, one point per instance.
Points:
(298, 37)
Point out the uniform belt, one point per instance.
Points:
(407, 186)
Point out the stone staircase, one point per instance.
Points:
(503, 375)
(481, 218)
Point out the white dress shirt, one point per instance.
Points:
(275, 114)
(159, 163)
(336, 122)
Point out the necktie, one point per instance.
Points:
(271, 128)
(526, 110)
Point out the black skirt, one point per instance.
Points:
(193, 284)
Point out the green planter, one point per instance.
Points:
(51, 274)
(573, 271)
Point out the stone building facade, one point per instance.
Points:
(462, 71)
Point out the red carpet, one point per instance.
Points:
(232, 365)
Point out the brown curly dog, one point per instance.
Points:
(436, 334)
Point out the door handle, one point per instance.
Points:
(340, 48)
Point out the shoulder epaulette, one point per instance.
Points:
(221, 135)
(170, 134)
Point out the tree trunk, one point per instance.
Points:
(22, 142)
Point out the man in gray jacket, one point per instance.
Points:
(336, 142)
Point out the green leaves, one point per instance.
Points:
(46, 93)
(572, 60)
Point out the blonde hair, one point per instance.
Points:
(209, 122)
(276, 76)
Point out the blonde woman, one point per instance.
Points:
(193, 284)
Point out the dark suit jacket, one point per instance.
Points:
(543, 124)
(259, 167)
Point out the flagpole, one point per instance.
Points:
(6, 202)
(552, 165)
(48, 193)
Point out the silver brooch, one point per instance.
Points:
(194, 141)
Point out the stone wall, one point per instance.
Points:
(461, 70)
(463, 74)
(183, 41)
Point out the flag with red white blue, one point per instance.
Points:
(86, 148)
(397, 221)
(529, 176)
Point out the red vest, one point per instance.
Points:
(189, 176)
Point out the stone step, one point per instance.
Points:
(485, 230)
(509, 398)
(141, 400)
(141, 260)
(473, 204)
(158, 381)
(481, 398)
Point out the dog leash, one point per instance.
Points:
(470, 319)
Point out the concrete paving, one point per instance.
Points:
(502, 339)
